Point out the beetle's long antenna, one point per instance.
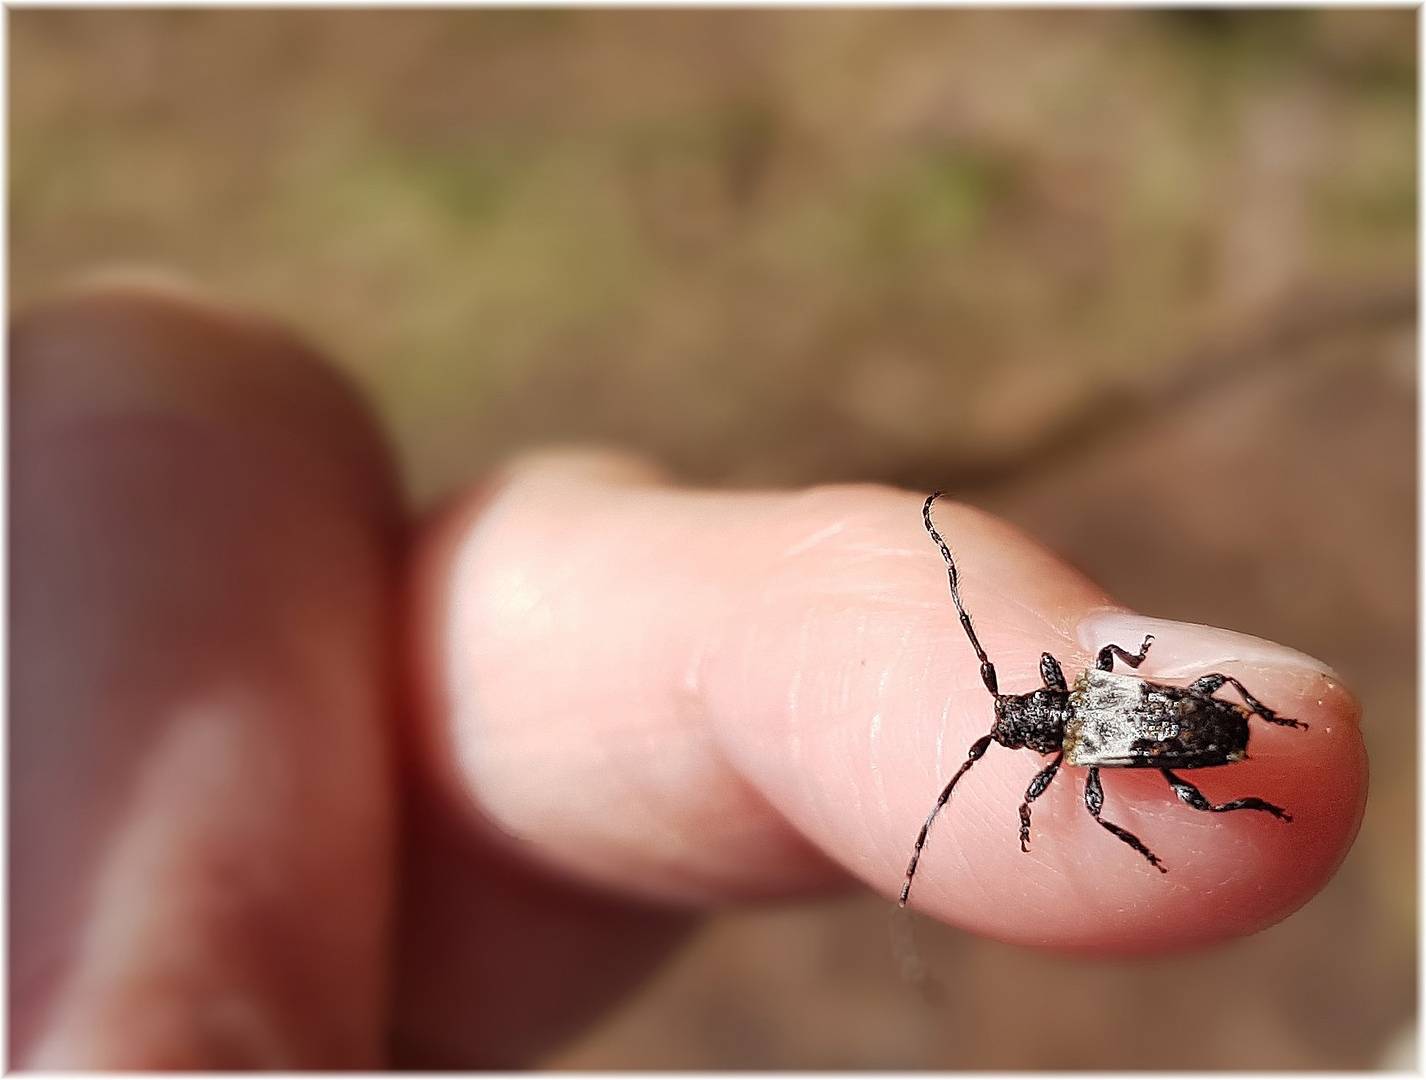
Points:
(977, 751)
(987, 669)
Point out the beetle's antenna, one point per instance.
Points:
(977, 751)
(987, 674)
(987, 669)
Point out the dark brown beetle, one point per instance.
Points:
(1111, 721)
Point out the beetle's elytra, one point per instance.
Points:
(1107, 720)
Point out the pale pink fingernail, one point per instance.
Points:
(1183, 649)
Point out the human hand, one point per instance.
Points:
(605, 703)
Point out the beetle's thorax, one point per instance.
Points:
(1036, 720)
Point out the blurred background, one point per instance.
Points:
(1142, 283)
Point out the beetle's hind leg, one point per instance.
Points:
(1094, 802)
(1196, 799)
(1036, 789)
(1105, 660)
(1210, 684)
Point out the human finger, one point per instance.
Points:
(703, 696)
(203, 529)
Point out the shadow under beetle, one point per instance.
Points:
(1108, 721)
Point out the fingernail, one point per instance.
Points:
(1182, 649)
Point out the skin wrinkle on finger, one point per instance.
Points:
(815, 539)
(874, 757)
(794, 734)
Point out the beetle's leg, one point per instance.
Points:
(1195, 798)
(1051, 672)
(1105, 662)
(987, 669)
(1094, 802)
(1036, 789)
(1211, 683)
(977, 751)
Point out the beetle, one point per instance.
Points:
(1108, 720)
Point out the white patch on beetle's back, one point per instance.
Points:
(1112, 717)
(1097, 697)
(1108, 714)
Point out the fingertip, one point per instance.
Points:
(854, 669)
(1223, 874)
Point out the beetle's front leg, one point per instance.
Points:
(1036, 789)
(1105, 661)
